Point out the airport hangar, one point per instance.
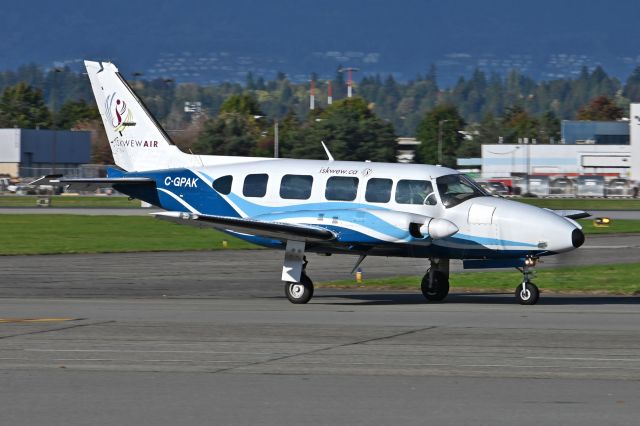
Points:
(607, 148)
(34, 152)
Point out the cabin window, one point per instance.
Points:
(414, 192)
(341, 188)
(223, 184)
(296, 187)
(378, 190)
(255, 185)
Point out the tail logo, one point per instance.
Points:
(118, 114)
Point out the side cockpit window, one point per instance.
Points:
(223, 184)
(454, 189)
(414, 192)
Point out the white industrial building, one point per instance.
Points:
(634, 128)
(504, 160)
(582, 157)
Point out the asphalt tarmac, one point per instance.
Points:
(232, 274)
(208, 338)
(345, 358)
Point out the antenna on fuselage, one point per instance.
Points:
(327, 151)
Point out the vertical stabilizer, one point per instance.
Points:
(137, 141)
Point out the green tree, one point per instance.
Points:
(488, 131)
(230, 133)
(549, 127)
(289, 133)
(241, 104)
(73, 112)
(519, 124)
(601, 108)
(439, 131)
(23, 106)
(350, 130)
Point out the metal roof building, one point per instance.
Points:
(30, 152)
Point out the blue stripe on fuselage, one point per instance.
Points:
(192, 190)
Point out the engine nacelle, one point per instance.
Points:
(438, 228)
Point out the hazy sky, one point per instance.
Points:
(403, 31)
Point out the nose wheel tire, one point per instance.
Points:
(301, 292)
(437, 289)
(527, 294)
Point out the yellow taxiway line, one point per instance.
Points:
(33, 320)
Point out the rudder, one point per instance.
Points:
(137, 141)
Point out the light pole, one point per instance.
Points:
(440, 123)
(276, 141)
(54, 147)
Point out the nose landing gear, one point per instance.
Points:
(527, 293)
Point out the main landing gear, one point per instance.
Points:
(299, 292)
(435, 283)
(298, 287)
(527, 293)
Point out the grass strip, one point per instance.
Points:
(583, 203)
(597, 279)
(54, 234)
(617, 226)
(70, 201)
(48, 234)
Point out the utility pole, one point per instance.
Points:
(526, 141)
(276, 143)
(54, 147)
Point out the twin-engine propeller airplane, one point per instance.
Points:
(327, 207)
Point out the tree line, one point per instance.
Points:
(239, 119)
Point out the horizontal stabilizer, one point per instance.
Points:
(571, 214)
(46, 180)
(91, 184)
(275, 230)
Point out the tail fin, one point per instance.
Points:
(137, 141)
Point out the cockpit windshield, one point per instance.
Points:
(454, 189)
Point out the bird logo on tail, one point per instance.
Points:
(118, 114)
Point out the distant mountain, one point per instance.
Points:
(209, 41)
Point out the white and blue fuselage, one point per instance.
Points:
(370, 207)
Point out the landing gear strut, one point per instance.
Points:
(527, 293)
(435, 283)
(298, 287)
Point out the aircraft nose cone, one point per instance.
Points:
(577, 238)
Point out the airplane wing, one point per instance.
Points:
(571, 214)
(276, 230)
(91, 184)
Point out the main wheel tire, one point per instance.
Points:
(436, 290)
(528, 295)
(301, 292)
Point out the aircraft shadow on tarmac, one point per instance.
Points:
(476, 298)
